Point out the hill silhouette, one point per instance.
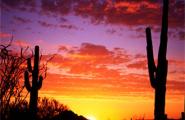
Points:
(48, 109)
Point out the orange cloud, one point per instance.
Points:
(115, 71)
(138, 65)
(91, 71)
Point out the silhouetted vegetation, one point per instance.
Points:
(158, 73)
(11, 69)
(48, 109)
(13, 104)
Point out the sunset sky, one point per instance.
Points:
(100, 65)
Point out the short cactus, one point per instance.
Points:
(36, 82)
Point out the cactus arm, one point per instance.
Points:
(162, 62)
(39, 85)
(26, 81)
(29, 65)
(150, 57)
(164, 32)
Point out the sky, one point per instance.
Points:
(99, 68)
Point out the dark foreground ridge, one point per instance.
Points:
(47, 110)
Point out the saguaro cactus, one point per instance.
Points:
(158, 74)
(36, 82)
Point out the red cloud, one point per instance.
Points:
(142, 64)
(92, 49)
(134, 6)
(178, 63)
(5, 35)
(131, 13)
(174, 85)
(90, 60)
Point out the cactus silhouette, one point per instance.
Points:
(36, 82)
(158, 74)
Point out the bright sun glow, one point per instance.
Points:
(91, 118)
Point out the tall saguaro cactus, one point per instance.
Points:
(36, 82)
(158, 74)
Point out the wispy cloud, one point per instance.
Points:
(21, 20)
(68, 26)
(46, 24)
(5, 35)
(21, 43)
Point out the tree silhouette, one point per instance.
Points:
(158, 74)
(49, 108)
(11, 69)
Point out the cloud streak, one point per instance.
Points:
(5, 35)
(47, 25)
(21, 20)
